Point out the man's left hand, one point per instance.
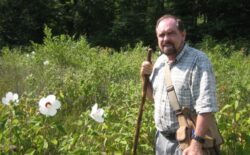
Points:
(195, 148)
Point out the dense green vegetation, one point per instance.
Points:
(116, 23)
(80, 76)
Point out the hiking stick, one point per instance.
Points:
(143, 99)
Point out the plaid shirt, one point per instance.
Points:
(194, 83)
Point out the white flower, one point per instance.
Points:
(48, 106)
(46, 62)
(97, 114)
(10, 97)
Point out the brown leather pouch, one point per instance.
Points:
(187, 125)
(183, 136)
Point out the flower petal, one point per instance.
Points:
(94, 108)
(15, 97)
(100, 112)
(5, 101)
(57, 104)
(99, 119)
(51, 112)
(43, 110)
(42, 102)
(51, 98)
(97, 114)
(9, 96)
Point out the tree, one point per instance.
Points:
(23, 20)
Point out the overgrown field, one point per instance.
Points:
(80, 76)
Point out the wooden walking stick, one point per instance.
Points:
(144, 92)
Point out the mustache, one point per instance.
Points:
(169, 43)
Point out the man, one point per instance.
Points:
(193, 81)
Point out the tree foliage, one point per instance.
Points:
(118, 23)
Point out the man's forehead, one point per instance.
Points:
(168, 23)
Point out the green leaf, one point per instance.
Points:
(248, 121)
(54, 141)
(236, 104)
(30, 151)
(45, 144)
(79, 123)
(123, 142)
(225, 107)
(237, 116)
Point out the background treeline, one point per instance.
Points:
(116, 23)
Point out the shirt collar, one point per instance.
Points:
(179, 56)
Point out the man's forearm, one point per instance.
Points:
(203, 122)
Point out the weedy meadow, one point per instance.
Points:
(66, 97)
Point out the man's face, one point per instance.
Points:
(170, 39)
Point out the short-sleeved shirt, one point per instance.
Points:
(194, 84)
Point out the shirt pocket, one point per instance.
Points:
(184, 95)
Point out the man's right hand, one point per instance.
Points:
(146, 68)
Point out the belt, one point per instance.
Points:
(170, 136)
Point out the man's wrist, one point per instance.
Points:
(198, 138)
(195, 144)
